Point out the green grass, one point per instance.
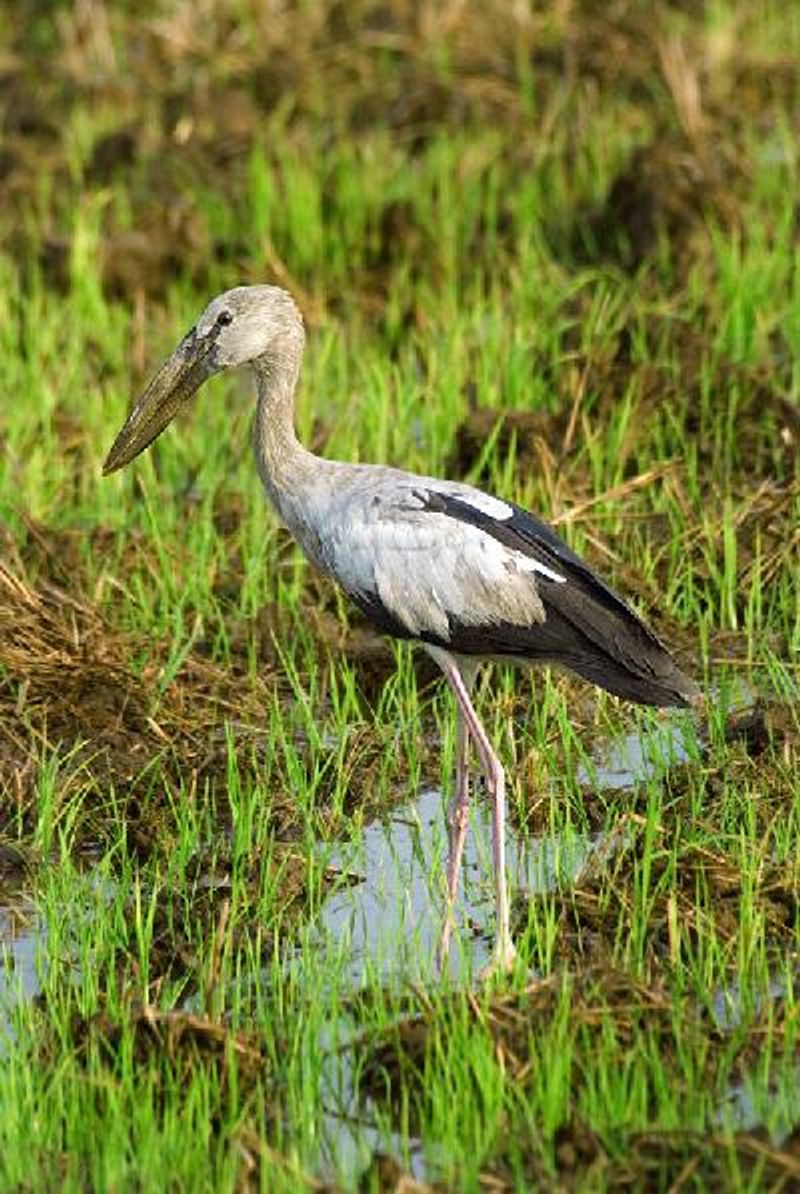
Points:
(438, 200)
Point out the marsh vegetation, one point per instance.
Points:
(550, 248)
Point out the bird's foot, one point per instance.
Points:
(502, 961)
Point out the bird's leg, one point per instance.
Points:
(504, 952)
(457, 821)
(458, 812)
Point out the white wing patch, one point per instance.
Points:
(537, 566)
(500, 511)
(492, 506)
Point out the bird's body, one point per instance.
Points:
(445, 564)
(467, 575)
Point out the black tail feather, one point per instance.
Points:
(614, 651)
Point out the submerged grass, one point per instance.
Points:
(549, 249)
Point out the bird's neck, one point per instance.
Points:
(283, 463)
(278, 451)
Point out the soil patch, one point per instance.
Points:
(597, 1000)
(695, 893)
(68, 691)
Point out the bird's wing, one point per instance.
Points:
(418, 571)
(453, 566)
(522, 532)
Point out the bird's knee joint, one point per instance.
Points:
(457, 815)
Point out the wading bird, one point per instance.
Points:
(468, 576)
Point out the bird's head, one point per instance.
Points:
(238, 327)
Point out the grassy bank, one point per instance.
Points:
(550, 249)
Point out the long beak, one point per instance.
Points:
(176, 381)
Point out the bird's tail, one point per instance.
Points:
(665, 686)
(604, 641)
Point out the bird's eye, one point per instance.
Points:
(224, 318)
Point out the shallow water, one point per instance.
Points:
(386, 914)
(382, 921)
(745, 1110)
(635, 758)
(22, 937)
(728, 1004)
(386, 927)
(389, 922)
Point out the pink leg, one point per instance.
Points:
(504, 952)
(457, 821)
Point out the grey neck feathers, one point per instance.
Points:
(283, 463)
